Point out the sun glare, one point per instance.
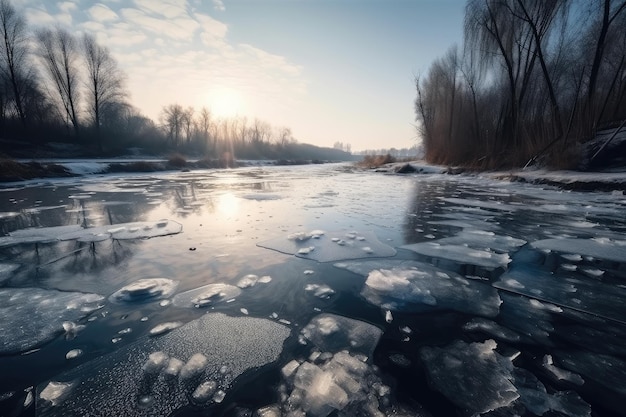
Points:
(225, 102)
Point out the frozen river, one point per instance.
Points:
(310, 291)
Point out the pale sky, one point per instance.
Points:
(331, 70)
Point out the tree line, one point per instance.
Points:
(533, 78)
(56, 86)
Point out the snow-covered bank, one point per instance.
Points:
(614, 180)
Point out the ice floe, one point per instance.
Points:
(163, 328)
(206, 296)
(473, 376)
(32, 316)
(459, 254)
(606, 249)
(157, 376)
(415, 286)
(146, 289)
(121, 231)
(330, 246)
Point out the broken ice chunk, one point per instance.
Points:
(388, 316)
(249, 280)
(173, 367)
(204, 392)
(207, 295)
(162, 328)
(146, 289)
(333, 333)
(55, 392)
(473, 376)
(155, 362)
(74, 353)
(320, 290)
(194, 367)
(561, 374)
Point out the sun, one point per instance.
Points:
(224, 102)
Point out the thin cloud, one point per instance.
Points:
(169, 9)
(181, 28)
(101, 13)
(219, 5)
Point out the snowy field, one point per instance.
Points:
(310, 291)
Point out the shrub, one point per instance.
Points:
(177, 161)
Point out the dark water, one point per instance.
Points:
(558, 323)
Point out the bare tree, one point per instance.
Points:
(105, 82)
(14, 55)
(60, 54)
(609, 14)
(172, 120)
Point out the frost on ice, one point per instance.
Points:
(157, 376)
(415, 286)
(32, 316)
(331, 246)
(147, 289)
(206, 296)
(478, 379)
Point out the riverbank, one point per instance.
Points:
(613, 180)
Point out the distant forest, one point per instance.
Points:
(56, 87)
(532, 78)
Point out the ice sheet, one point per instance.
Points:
(416, 286)
(32, 316)
(130, 383)
(331, 246)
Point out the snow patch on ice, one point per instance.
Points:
(156, 376)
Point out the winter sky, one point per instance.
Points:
(331, 70)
